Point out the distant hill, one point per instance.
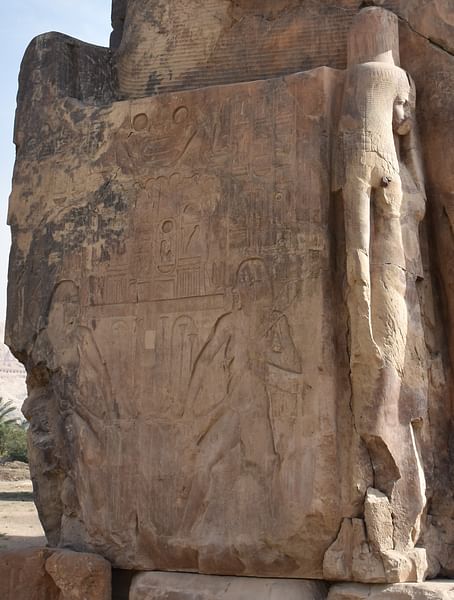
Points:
(12, 375)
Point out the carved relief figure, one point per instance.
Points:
(376, 133)
(156, 141)
(76, 350)
(251, 337)
(183, 350)
(81, 383)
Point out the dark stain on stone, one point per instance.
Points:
(153, 84)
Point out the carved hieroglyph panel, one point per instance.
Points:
(178, 293)
(189, 253)
(188, 44)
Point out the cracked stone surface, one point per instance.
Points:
(231, 285)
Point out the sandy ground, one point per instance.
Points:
(19, 523)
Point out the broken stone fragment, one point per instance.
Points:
(379, 522)
(80, 576)
(431, 590)
(367, 565)
(337, 562)
(351, 557)
(405, 566)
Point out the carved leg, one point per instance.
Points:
(258, 450)
(390, 439)
(221, 437)
(357, 198)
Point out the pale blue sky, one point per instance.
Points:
(20, 21)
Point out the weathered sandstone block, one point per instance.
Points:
(168, 372)
(431, 590)
(235, 302)
(53, 574)
(23, 576)
(179, 586)
(80, 576)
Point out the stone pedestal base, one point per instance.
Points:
(429, 590)
(186, 586)
(53, 574)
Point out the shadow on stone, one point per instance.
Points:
(121, 582)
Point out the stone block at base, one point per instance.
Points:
(188, 586)
(23, 575)
(54, 574)
(80, 576)
(429, 590)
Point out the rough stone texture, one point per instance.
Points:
(170, 45)
(432, 69)
(235, 364)
(178, 44)
(23, 576)
(157, 586)
(54, 574)
(379, 520)
(140, 262)
(432, 590)
(80, 576)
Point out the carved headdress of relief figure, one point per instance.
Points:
(373, 63)
(374, 37)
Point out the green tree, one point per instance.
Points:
(13, 435)
(15, 442)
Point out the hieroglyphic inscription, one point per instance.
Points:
(258, 42)
(188, 257)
